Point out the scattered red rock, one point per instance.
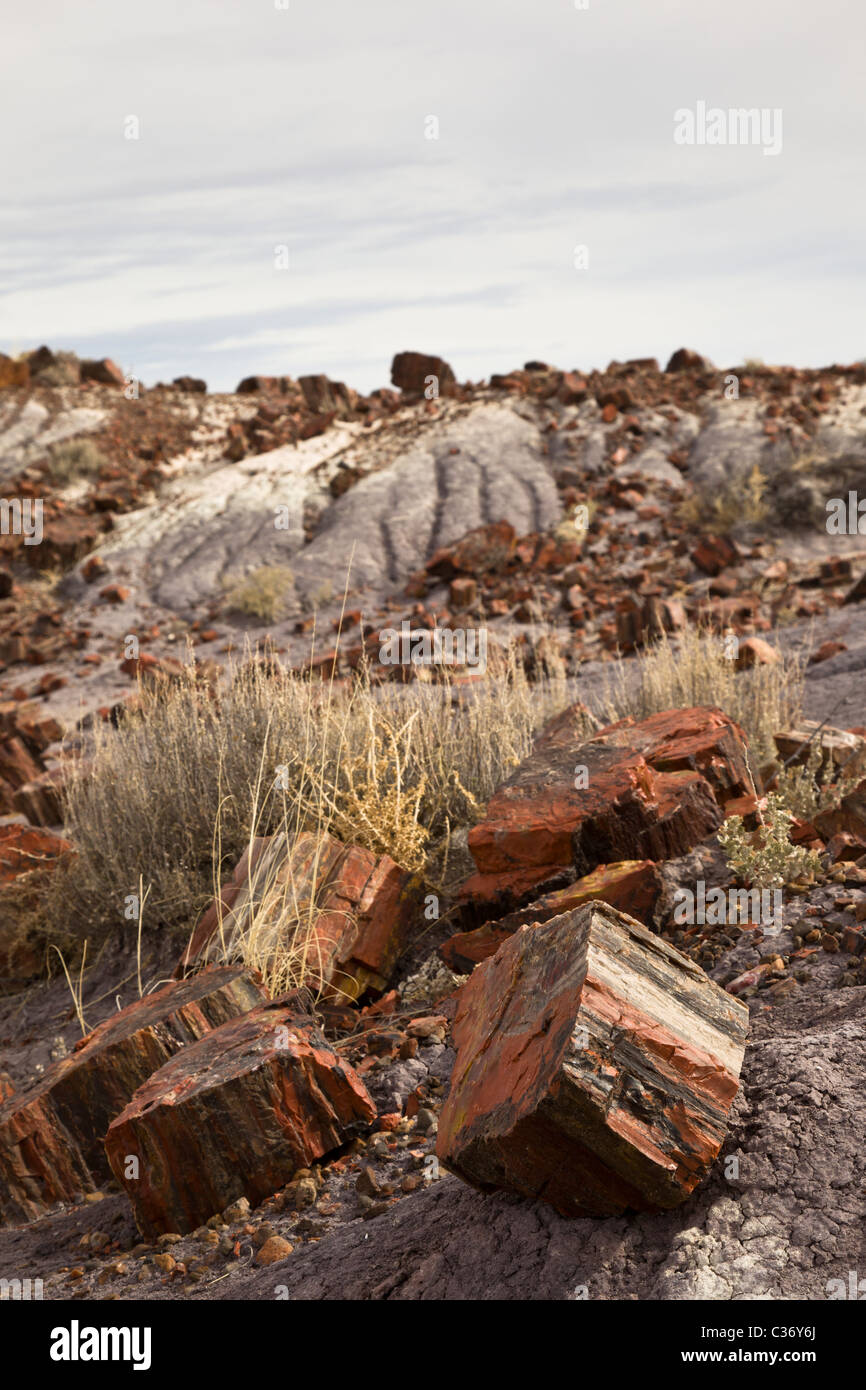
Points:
(714, 553)
(486, 549)
(826, 651)
(754, 651)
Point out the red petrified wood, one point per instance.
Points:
(51, 1135)
(651, 790)
(595, 1068)
(234, 1115)
(349, 910)
(633, 886)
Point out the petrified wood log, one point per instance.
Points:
(595, 1068)
(343, 912)
(234, 1116)
(651, 790)
(51, 1135)
(634, 886)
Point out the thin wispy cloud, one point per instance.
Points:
(306, 128)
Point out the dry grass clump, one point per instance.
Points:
(262, 593)
(173, 796)
(740, 501)
(693, 670)
(74, 459)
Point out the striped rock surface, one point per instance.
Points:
(595, 1068)
(649, 790)
(234, 1116)
(635, 884)
(356, 910)
(51, 1135)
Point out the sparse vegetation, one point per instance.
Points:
(693, 670)
(817, 784)
(74, 459)
(739, 501)
(765, 857)
(176, 792)
(262, 593)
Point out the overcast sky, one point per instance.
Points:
(306, 127)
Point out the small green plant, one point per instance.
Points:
(75, 458)
(765, 857)
(818, 783)
(262, 593)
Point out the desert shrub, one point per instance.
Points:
(817, 784)
(738, 501)
(174, 795)
(693, 670)
(765, 857)
(262, 593)
(74, 459)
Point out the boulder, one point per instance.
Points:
(712, 554)
(325, 397)
(634, 886)
(648, 790)
(51, 1135)
(484, 550)
(348, 910)
(14, 372)
(755, 651)
(234, 1116)
(685, 360)
(410, 370)
(595, 1068)
(103, 371)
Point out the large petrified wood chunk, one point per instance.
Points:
(342, 912)
(235, 1115)
(595, 1068)
(650, 790)
(634, 886)
(51, 1135)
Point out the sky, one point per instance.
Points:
(227, 187)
